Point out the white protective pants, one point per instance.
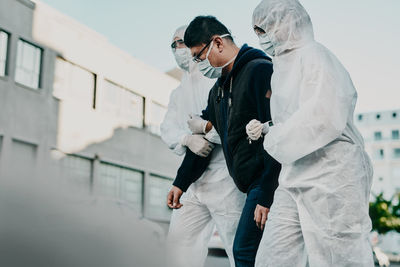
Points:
(321, 218)
(205, 205)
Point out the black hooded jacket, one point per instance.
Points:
(233, 102)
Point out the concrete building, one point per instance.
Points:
(75, 106)
(381, 132)
(382, 142)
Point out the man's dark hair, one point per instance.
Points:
(202, 29)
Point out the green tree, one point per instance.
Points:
(385, 215)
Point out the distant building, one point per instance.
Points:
(177, 73)
(382, 142)
(381, 132)
(74, 106)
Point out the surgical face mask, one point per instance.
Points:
(266, 44)
(182, 57)
(207, 69)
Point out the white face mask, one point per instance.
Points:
(266, 44)
(183, 57)
(207, 69)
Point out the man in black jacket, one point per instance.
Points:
(199, 211)
(240, 94)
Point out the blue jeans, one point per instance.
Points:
(248, 236)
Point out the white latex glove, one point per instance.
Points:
(197, 144)
(196, 124)
(255, 129)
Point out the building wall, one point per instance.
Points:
(381, 132)
(94, 119)
(28, 116)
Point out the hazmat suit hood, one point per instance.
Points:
(184, 60)
(286, 23)
(180, 32)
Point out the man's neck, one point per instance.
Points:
(233, 53)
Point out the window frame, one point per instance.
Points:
(396, 152)
(65, 94)
(105, 105)
(40, 70)
(149, 211)
(7, 59)
(119, 182)
(376, 134)
(395, 136)
(150, 121)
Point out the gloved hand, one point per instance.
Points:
(254, 129)
(196, 124)
(197, 144)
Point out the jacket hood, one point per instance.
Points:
(245, 55)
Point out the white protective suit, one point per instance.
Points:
(211, 201)
(320, 212)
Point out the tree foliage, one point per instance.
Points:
(385, 214)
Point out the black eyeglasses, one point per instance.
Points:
(197, 57)
(175, 43)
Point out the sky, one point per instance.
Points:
(363, 34)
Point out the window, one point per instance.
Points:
(378, 116)
(396, 153)
(121, 183)
(157, 190)
(360, 117)
(395, 134)
(378, 136)
(396, 176)
(23, 159)
(74, 83)
(157, 113)
(3, 52)
(77, 171)
(379, 154)
(394, 115)
(28, 64)
(123, 103)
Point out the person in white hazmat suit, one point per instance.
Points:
(319, 216)
(211, 201)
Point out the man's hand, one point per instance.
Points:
(196, 124)
(198, 145)
(261, 216)
(173, 198)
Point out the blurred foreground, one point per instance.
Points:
(47, 224)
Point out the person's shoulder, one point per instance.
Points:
(260, 66)
(262, 63)
(316, 57)
(174, 93)
(314, 53)
(259, 59)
